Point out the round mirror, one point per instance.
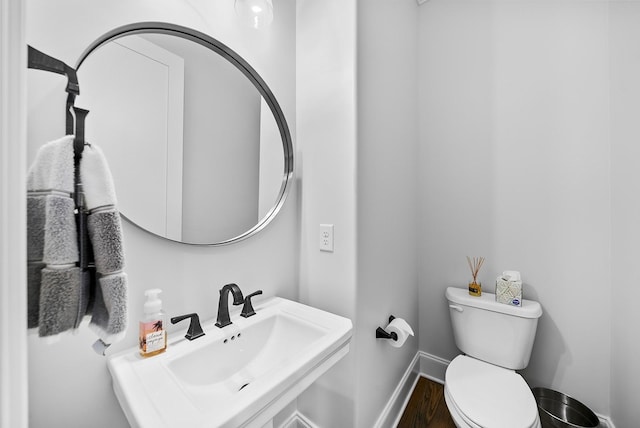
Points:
(198, 146)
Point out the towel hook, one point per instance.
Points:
(79, 140)
(40, 61)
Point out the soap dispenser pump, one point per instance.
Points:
(153, 337)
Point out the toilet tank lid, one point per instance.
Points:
(487, 301)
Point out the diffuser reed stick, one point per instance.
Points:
(475, 288)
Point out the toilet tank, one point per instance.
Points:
(494, 332)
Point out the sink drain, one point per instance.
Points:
(240, 389)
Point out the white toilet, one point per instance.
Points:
(482, 389)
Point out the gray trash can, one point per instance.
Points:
(558, 410)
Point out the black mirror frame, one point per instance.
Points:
(246, 69)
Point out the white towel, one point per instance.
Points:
(53, 168)
(96, 179)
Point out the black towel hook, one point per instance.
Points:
(79, 141)
(41, 61)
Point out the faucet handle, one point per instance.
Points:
(195, 329)
(247, 309)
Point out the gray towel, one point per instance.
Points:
(109, 308)
(34, 278)
(36, 216)
(60, 294)
(53, 282)
(105, 232)
(59, 299)
(51, 229)
(109, 313)
(60, 234)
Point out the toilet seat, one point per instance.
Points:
(456, 414)
(488, 396)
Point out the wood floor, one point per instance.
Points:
(426, 407)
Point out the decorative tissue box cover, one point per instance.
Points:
(509, 292)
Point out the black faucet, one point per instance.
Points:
(195, 329)
(223, 303)
(247, 309)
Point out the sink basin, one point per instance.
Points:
(238, 376)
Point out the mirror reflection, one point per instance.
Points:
(196, 152)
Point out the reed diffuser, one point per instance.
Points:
(475, 288)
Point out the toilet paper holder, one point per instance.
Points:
(382, 334)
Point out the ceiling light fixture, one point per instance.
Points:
(255, 13)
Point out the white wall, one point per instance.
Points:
(13, 153)
(190, 276)
(326, 135)
(357, 134)
(625, 184)
(387, 184)
(514, 155)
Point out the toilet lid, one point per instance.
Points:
(490, 396)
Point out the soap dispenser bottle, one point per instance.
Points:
(153, 337)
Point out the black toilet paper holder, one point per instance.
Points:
(382, 334)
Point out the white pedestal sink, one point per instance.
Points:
(238, 376)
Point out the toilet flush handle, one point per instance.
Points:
(456, 307)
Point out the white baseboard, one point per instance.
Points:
(433, 367)
(400, 397)
(423, 364)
